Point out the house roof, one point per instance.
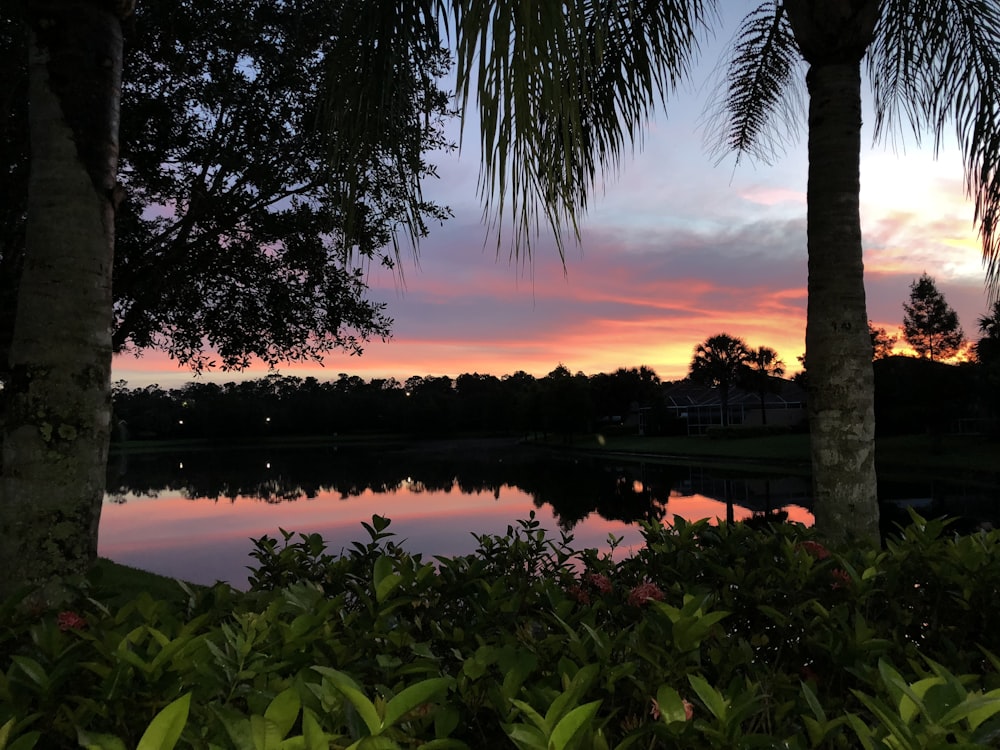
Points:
(684, 393)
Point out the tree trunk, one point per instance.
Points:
(838, 346)
(833, 36)
(57, 403)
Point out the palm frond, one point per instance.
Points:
(379, 116)
(561, 90)
(758, 108)
(936, 61)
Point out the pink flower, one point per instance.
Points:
(688, 710)
(578, 593)
(841, 578)
(600, 582)
(643, 593)
(815, 549)
(70, 621)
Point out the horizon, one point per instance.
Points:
(676, 247)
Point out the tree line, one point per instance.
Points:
(560, 403)
(913, 394)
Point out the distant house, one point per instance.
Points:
(700, 407)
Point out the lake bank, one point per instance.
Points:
(975, 454)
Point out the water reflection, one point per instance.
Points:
(191, 514)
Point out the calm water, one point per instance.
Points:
(192, 514)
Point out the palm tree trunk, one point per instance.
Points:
(838, 345)
(57, 410)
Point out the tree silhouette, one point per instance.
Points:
(763, 366)
(930, 63)
(987, 351)
(882, 342)
(719, 362)
(930, 325)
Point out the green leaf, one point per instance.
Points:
(863, 731)
(5, 733)
(374, 743)
(166, 727)
(976, 709)
(579, 685)
(671, 705)
(350, 690)
(532, 714)
(408, 699)
(384, 579)
(313, 736)
(813, 702)
(572, 724)
(893, 723)
(25, 741)
(35, 671)
(284, 710)
(98, 741)
(526, 737)
(712, 698)
(266, 734)
(236, 724)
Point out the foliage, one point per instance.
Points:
(882, 341)
(230, 236)
(708, 636)
(930, 324)
(719, 362)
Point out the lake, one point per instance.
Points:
(192, 513)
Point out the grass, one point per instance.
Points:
(115, 584)
(913, 454)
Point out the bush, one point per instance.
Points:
(709, 636)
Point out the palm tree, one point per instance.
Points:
(930, 62)
(763, 366)
(719, 362)
(988, 347)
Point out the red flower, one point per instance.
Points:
(841, 578)
(578, 593)
(808, 674)
(600, 582)
(643, 593)
(815, 549)
(70, 621)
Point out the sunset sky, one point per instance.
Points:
(674, 249)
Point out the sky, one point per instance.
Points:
(676, 248)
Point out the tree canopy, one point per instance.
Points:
(230, 232)
(930, 324)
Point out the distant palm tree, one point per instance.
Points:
(988, 347)
(719, 362)
(762, 368)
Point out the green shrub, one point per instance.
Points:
(707, 637)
